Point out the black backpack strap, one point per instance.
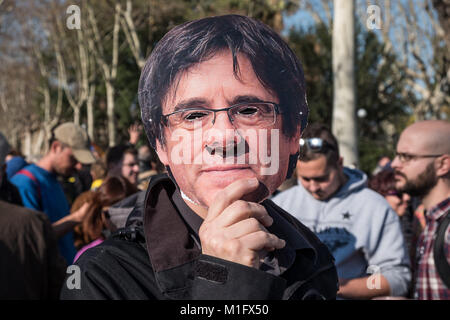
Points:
(440, 259)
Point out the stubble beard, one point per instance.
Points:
(420, 186)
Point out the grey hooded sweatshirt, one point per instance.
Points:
(359, 227)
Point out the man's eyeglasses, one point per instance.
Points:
(242, 115)
(406, 157)
(315, 144)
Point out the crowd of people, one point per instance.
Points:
(65, 197)
(158, 223)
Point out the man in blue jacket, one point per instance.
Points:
(359, 227)
(40, 189)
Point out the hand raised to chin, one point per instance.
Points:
(235, 229)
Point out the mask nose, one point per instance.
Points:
(234, 148)
(221, 120)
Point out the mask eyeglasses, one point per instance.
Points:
(242, 115)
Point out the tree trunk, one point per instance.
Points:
(110, 113)
(14, 141)
(344, 123)
(109, 71)
(37, 146)
(27, 145)
(76, 115)
(90, 112)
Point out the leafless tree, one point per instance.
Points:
(129, 28)
(29, 80)
(413, 32)
(108, 69)
(71, 56)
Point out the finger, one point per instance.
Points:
(243, 228)
(241, 210)
(231, 193)
(262, 240)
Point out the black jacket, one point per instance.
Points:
(30, 264)
(156, 257)
(8, 191)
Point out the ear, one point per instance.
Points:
(162, 153)
(341, 162)
(443, 165)
(79, 166)
(56, 146)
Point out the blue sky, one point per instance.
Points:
(299, 19)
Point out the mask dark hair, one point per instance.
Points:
(186, 45)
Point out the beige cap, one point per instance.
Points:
(76, 138)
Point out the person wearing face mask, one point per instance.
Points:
(359, 227)
(223, 104)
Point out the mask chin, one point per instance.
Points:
(183, 195)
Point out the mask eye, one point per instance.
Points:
(247, 111)
(194, 115)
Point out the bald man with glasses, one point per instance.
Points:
(422, 169)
